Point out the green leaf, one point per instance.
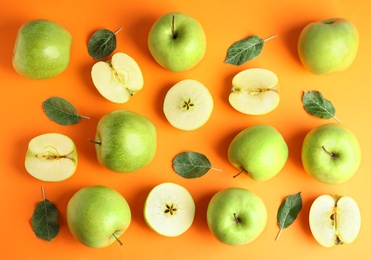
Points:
(61, 111)
(102, 43)
(316, 105)
(191, 164)
(288, 211)
(245, 50)
(45, 220)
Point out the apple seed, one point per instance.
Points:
(188, 104)
(170, 209)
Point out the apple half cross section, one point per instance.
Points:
(255, 91)
(117, 79)
(169, 209)
(188, 105)
(334, 220)
(51, 157)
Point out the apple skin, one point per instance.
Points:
(42, 49)
(179, 51)
(335, 139)
(328, 46)
(259, 151)
(231, 203)
(125, 141)
(96, 214)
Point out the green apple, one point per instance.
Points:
(334, 220)
(260, 151)
(177, 41)
(97, 216)
(236, 216)
(328, 46)
(331, 153)
(51, 157)
(125, 141)
(117, 79)
(188, 105)
(255, 91)
(169, 209)
(42, 49)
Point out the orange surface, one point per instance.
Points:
(224, 21)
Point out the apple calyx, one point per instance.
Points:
(117, 239)
(332, 155)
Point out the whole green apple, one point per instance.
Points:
(331, 153)
(236, 216)
(42, 49)
(97, 216)
(259, 151)
(125, 141)
(329, 45)
(177, 41)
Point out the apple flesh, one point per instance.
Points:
(169, 209)
(236, 216)
(51, 157)
(334, 220)
(328, 46)
(255, 91)
(97, 216)
(188, 105)
(260, 151)
(177, 41)
(117, 79)
(42, 49)
(125, 141)
(331, 153)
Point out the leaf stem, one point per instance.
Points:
(216, 169)
(270, 37)
(119, 30)
(43, 192)
(85, 117)
(278, 235)
(337, 119)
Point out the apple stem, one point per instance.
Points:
(279, 233)
(270, 37)
(328, 152)
(236, 218)
(242, 170)
(173, 27)
(119, 30)
(91, 140)
(118, 240)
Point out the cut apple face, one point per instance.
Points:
(188, 105)
(334, 220)
(255, 91)
(51, 157)
(169, 209)
(118, 79)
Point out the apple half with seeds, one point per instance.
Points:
(117, 79)
(169, 209)
(188, 105)
(255, 91)
(334, 220)
(51, 157)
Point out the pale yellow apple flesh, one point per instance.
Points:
(169, 209)
(188, 105)
(255, 91)
(334, 220)
(118, 79)
(51, 157)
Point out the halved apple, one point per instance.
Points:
(117, 79)
(255, 91)
(188, 105)
(51, 157)
(334, 220)
(169, 209)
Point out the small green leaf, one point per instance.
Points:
(102, 43)
(288, 211)
(61, 111)
(316, 105)
(191, 164)
(245, 50)
(45, 220)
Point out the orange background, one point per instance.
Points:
(224, 21)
